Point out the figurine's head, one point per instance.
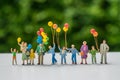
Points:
(14, 50)
(41, 44)
(49, 47)
(64, 47)
(73, 46)
(25, 43)
(104, 41)
(84, 42)
(93, 47)
(22, 42)
(31, 50)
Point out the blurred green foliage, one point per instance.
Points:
(22, 18)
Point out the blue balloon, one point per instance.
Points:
(29, 46)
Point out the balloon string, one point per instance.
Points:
(96, 42)
(65, 39)
(52, 34)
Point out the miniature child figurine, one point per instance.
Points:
(93, 55)
(52, 51)
(104, 48)
(14, 56)
(40, 50)
(63, 54)
(84, 50)
(32, 56)
(74, 51)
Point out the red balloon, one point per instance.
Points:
(38, 33)
(41, 30)
(92, 31)
(66, 25)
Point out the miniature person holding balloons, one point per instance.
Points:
(52, 51)
(40, 50)
(84, 50)
(74, 51)
(63, 54)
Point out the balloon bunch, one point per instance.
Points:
(42, 37)
(95, 35)
(65, 29)
(53, 28)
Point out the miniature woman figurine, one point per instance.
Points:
(84, 50)
(32, 56)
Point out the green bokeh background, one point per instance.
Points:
(22, 18)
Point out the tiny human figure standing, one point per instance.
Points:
(84, 50)
(32, 56)
(52, 51)
(74, 51)
(63, 54)
(40, 50)
(14, 56)
(93, 55)
(104, 48)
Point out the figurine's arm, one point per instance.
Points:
(53, 45)
(11, 50)
(107, 47)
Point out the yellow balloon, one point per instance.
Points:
(65, 29)
(19, 39)
(43, 34)
(50, 23)
(58, 29)
(44, 40)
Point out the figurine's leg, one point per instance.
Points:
(15, 61)
(38, 59)
(42, 59)
(105, 55)
(92, 59)
(61, 59)
(101, 58)
(95, 59)
(12, 60)
(65, 59)
(85, 60)
(81, 61)
(72, 59)
(52, 59)
(75, 59)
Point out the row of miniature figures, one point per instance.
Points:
(29, 55)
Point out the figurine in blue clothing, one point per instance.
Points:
(52, 51)
(63, 54)
(74, 51)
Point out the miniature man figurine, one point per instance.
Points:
(14, 56)
(104, 48)
(40, 50)
(84, 50)
(63, 54)
(52, 51)
(74, 51)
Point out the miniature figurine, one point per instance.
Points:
(32, 56)
(14, 56)
(63, 54)
(93, 55)
(21, 45)
(40, 50)
(74, 51)
(84, 50)
(52, 51)
(104, 48)
(24, 57)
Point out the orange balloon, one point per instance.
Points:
(95, 34)
(55, 26)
